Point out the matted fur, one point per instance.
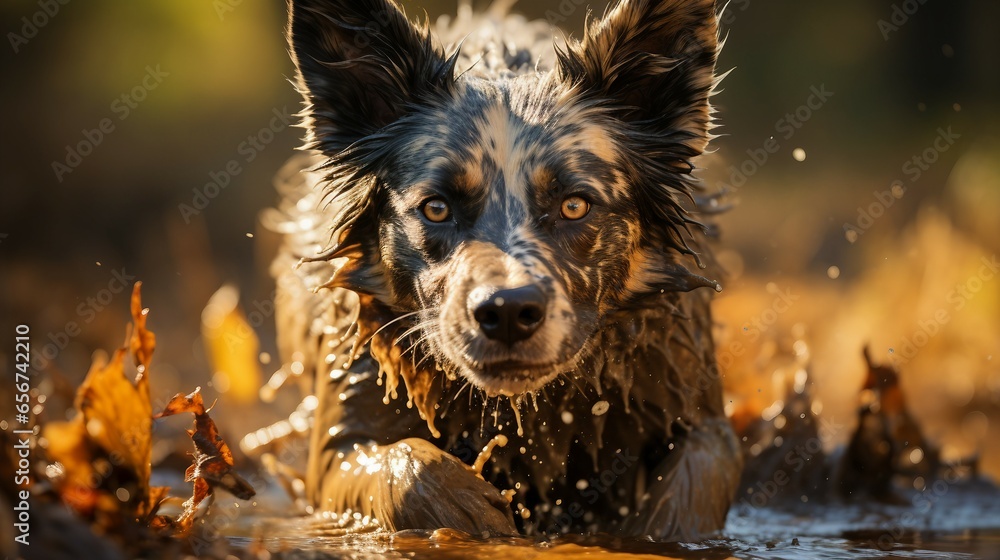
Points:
(377, 304)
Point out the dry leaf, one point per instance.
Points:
(213, 460)
(118, 417)
(143, 341)
(70, 453)
(157, 495)
(108, 444)
(232, 345)
(107, 447)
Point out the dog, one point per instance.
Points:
(495, 245)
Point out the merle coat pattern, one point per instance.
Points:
(495, 239)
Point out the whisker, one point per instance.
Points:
(459, 392)
(423, 325)
(413, 345)
(395, 320)
(422, 361)
(545, 395)
(573, 381)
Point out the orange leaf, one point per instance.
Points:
(213, 460)
(143, 341)
(232, 346)
(118, 417)
(184, 403)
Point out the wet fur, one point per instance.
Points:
(373, 300)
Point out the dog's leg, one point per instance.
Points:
(692, 488)
(366, 457)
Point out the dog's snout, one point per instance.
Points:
(512, 315)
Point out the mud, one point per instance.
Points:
(957, 521)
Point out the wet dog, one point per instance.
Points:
(496, 237)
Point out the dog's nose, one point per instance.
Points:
(512, 315)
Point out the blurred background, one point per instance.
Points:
(859, 141)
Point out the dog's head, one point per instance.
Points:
(508, 214)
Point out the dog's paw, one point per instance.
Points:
(423, 487)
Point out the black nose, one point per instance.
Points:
(511, 315)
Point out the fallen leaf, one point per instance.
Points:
(69, 453)
(157, 495)
(118, 418)
(213, 460)
(143, 341)
(232, 345)
(107, 447)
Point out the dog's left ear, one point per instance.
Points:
(655, 60)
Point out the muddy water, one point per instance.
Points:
(949, 522)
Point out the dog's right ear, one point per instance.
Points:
(360, 64)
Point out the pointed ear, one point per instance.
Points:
(655, 60)
(360, 64)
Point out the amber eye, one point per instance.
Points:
(436, 210)
(574, 208)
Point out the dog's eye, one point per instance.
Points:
(436, 210)
(574, 208)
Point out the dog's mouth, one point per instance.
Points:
(518, 374)
(512, 377)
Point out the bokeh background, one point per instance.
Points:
(205, 83)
